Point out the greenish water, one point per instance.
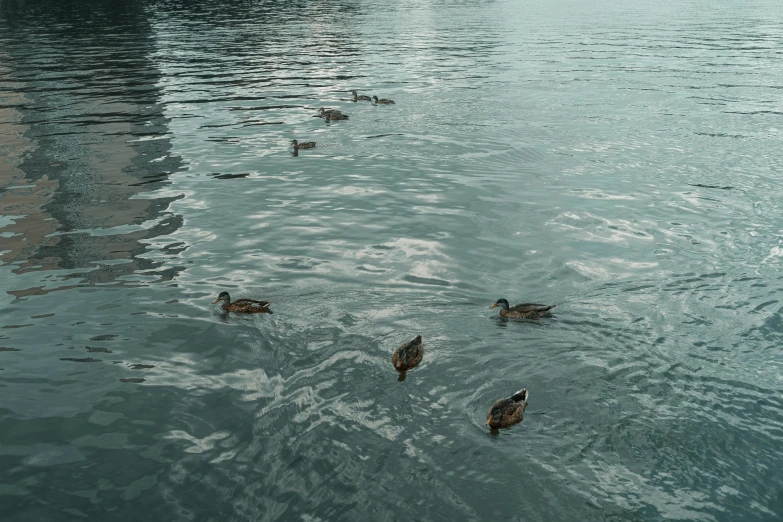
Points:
(621, 159)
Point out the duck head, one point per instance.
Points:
(521, 395)
(501, 303)
(375, 99)
(294, 143)
(223, 296)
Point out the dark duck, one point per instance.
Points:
(408, 355)
(332, 114)
(507, 412)
(306, 145)
(362, 97)
(523, 310)
(242, 306)
(382, 101)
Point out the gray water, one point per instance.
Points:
(620, 159)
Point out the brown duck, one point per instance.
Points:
(296, 145)
(523, 310)
(306, 145)
(408, 355)
(360, 97)
(243, 306)
(332, 114)
(382, 101)
(507, 412)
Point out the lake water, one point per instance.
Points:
(621, 159)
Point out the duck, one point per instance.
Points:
(507, 412)
(306, 145)
(382, 101)
(360, 98)
(408, 355)
(329, 117)
(523, 310)
(333, 114)
(243, 306)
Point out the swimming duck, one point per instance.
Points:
(329, 117)
(243, 306)
(408, 355)
(523, 310)
(306, 145)
(360, 98)
(382, 101)
(507, 412)
(333, 114)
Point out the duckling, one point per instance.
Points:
(523, 310)
(408, 355)
(360, 98)
(333, 114)
(305, 145)
(382, 101)
(507, 412)
(243, 306)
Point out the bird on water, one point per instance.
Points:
(508, 411)
(242, 306)
(522, 310)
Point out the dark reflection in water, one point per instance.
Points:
(83, 118)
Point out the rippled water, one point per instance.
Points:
(621, 159)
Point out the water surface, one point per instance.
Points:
(620, 159)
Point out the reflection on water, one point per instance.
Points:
(86, 139)
(618, 159)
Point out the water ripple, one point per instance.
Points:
(619, 160)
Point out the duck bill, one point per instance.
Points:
(494, 305)
(216, 301)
